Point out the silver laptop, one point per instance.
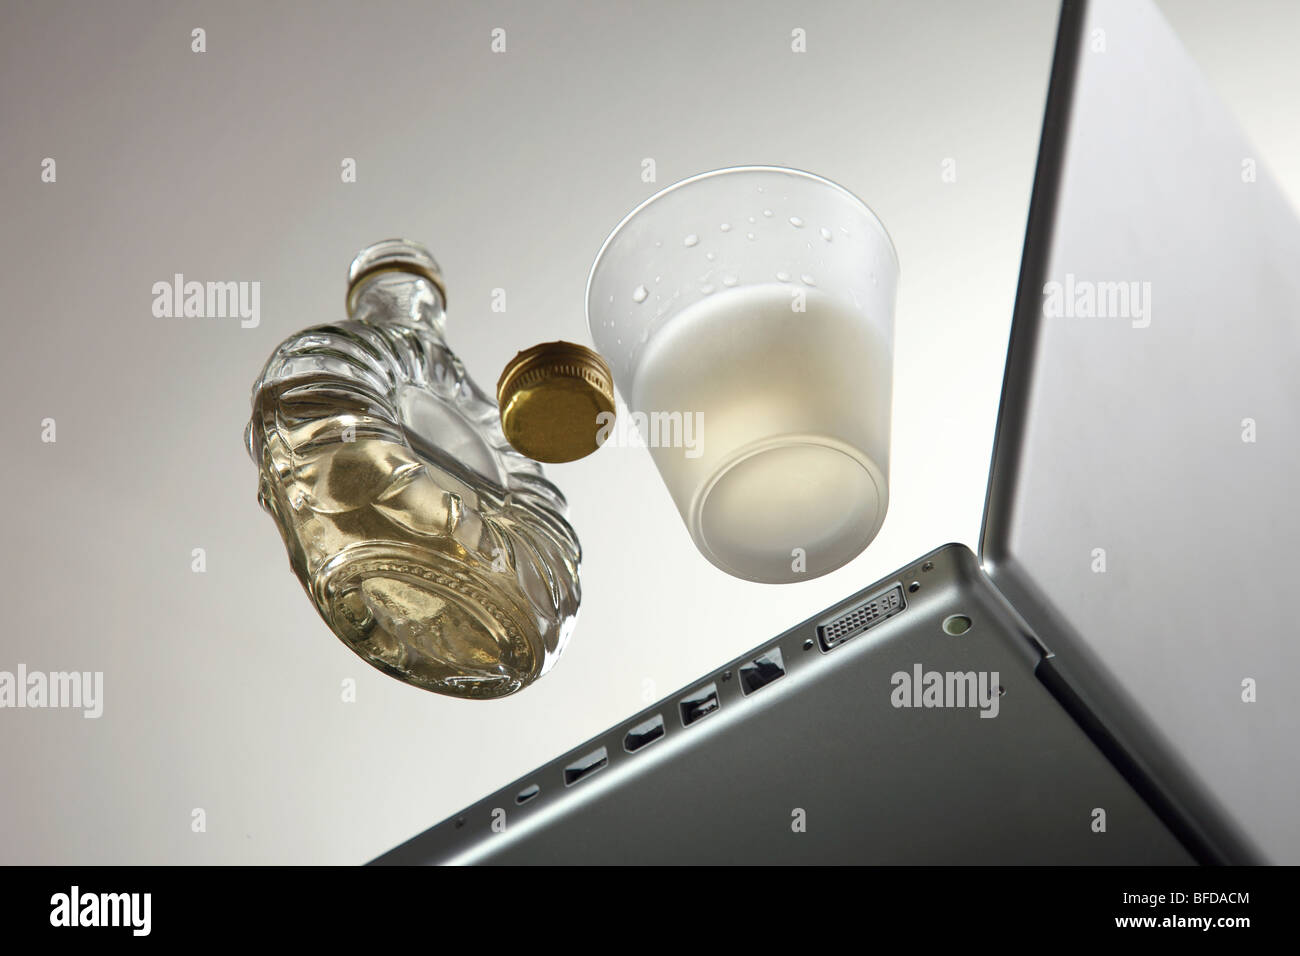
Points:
(1111, 679)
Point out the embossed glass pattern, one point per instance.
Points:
(432, 548)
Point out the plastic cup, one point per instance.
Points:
(747, 315)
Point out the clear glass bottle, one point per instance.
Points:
(432, 548)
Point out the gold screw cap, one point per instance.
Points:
(550, 398)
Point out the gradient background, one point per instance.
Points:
(223, 689)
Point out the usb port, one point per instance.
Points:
(644, 734)
(585, 766)
(699, 704)
(761, 671)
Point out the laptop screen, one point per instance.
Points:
(1140, 511)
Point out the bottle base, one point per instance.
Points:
(429, 620)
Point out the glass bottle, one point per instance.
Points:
(432, 548)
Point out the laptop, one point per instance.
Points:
(1107, 681)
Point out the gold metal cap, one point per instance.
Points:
(550, 396)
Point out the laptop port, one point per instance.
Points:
(526, 794)
(861, 618)
(585, 766)
(699, 704)
(644, 734)
(761, 671)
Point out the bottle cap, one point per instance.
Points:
(550, 398)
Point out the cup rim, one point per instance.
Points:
(731, 170)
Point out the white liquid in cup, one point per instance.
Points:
(794, 407)
(778, 346)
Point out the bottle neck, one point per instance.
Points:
(397, 281)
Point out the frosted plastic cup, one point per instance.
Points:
(748, 317)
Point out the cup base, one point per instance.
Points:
(789, 509)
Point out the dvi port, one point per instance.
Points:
(861, 617)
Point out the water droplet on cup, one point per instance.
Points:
(752, 219)
(796, 222)
(807, 279)
(639, 294)
(749, 236)
(710, 256)
(706, 289)
(725, 227)
(691, 240)
(729, 281)
(826, 234)
(767, 212)
(783, 276)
